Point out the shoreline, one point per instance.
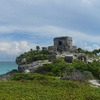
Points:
(6, 76)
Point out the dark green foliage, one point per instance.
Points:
(37, 48)
(55, 69)
(96, 51)
(88, 75)
(79, 50)
(89, 53)
(59, 60)
(74, 74)
(58, 67)
(34, 55)
(30, 76)
(93, 67)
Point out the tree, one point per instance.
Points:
(31, 50)
(79, 50)
(95, 51)
(37, 48)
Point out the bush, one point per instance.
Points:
(31, 76)
(59, 60)
(55, 69)
(73, 74)
(88, 75)
(34, 55)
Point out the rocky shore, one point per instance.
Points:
(27, 68)
(6, 76)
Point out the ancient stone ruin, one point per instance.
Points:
(63, 44)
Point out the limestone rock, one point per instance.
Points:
(22, 61)
(74, 75)
(29, 67)
(69, 58)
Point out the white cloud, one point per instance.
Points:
(87, 46)
(92, 47)
(14, 48)
(79, 19)
(96, 46)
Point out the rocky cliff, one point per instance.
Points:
(31, 67)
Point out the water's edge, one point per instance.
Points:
(6, 67)
(6, 76)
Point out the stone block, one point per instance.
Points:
(69, 59)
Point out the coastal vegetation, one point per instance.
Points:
(42, 87)
(58, 80)
(59, 66)
(34, 55)
(94, 52)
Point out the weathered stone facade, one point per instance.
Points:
(63, 44)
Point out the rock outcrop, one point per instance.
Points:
(31, 67)
(22, 61)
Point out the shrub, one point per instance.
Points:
(31, 76)
(34, 55)
(55, 69)
(73, 74)
(88, 75)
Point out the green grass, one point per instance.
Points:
(48, 88)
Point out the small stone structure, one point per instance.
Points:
(63, 44)
(69, 58)
(83, 58)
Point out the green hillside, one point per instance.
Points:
(34, 55)
(42, 87)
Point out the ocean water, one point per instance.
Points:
(7, 66)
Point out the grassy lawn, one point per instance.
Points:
(44, 89)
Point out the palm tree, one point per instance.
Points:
(37, 48)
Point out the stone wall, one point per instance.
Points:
(52, 48)
(63, 44)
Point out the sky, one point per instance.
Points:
(24, 24)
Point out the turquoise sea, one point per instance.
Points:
(7, 66)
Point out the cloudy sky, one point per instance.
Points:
(27, 23)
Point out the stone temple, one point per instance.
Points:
(63, 44)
